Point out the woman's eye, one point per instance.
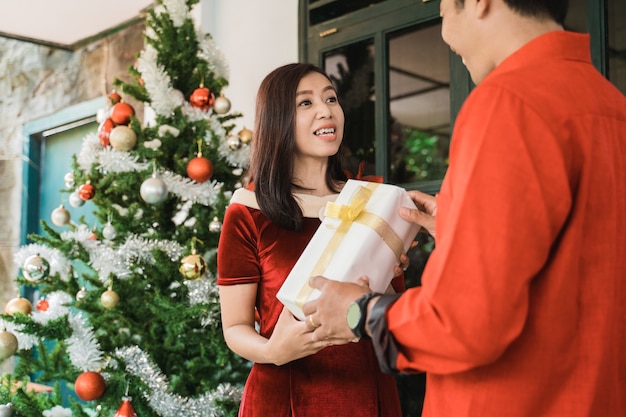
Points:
(304, 103)
(332, 99)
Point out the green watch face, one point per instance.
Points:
(353, 316)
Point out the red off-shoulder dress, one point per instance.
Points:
(339, 381)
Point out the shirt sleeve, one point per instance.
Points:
(237, 257)
(503, 202)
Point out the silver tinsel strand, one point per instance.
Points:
(161, 400)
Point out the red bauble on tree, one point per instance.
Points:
(202, 98)
(114, 97)
(126, 409)
(89, 385)
(86, 191)
(121, 112)
(104, 132)
(200, 169)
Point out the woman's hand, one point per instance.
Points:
(293, 339)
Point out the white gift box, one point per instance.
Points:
(361, 234)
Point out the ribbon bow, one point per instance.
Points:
(353, 209)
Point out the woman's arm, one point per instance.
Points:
(291, 339)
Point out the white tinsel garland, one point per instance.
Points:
(210, 53)
(58, 263)
(82, 346)
(106, 159)
(25, 341)
(58, 411)
(164, 98)
(58, 302)
(178, 11)
(161, 400)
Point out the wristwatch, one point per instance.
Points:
(357, 314)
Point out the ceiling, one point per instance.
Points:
(67, 24)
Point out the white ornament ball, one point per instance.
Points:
(69, 180)
(81, 294)
(109, 232)
(123, 138)
(221, 105)
(153, 191)
(6, 410)
(75, 200)
(60, 216)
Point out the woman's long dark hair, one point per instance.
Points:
(273, 146)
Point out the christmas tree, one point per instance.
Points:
(124, 316)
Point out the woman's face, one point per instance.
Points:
(319, 117)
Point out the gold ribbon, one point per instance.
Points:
(353, 212)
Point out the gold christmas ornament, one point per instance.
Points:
(245, 135)
(123, 138)
(60, 216)
(18, 305)
(215, 226)
(8, 344)
(109, 298)
(193, 266)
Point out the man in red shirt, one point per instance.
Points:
(522, 308)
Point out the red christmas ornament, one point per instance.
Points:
(104, 131)
(202, 98)
(86, 192)
(126, 409)
(200, 169)
(42, 305)
(89, 385)
(121, 112)
(114, 98)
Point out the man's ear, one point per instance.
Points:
(481, 7)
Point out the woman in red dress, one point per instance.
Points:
(295, 169)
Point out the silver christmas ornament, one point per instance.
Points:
(35, 268)
(233, 142)
(6, 410)
(81, 294)
(215, 226)
(153, 190)
(69, 180)
(60, 216)
(75, 200)
(109, 232)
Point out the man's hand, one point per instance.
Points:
(425, 213)
(327, 313)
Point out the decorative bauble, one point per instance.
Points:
(69, 180)
(81, 294)
(60, 216)
(200, 169)
(89, 385)
(42, 305)
(233, 142)
(193, 266)
(126, 409)
(18, 305)
(123, 138)
(245, 135)
(75, 200)
(109, 232)
(221, 105)
(201, 98)
(153, 190)
(121, 112)
(86, 191)
(104, 132)
(109, 298)
(114, 98)
(215, 226)
(8, 344)
(35, 268)
(6, 410)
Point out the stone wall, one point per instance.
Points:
(37, 81)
